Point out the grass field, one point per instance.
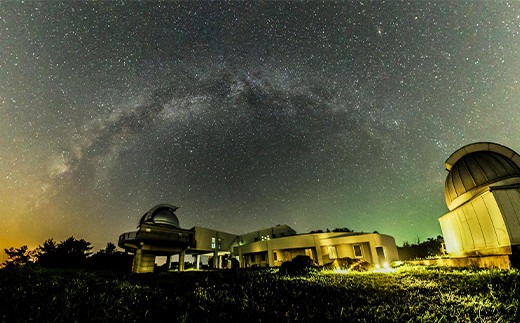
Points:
(416, 294)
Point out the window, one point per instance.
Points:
(275, 256)
(333, 254)
(357, 251)
(213, 243)
(263, 257)
(219, 244)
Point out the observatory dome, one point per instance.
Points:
(162, 214)
(471, 172)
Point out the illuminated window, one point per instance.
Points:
(213, 243)
(333, 254)
(357, 251)
(219, 244)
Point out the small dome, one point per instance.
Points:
(162, 214)
(474, 172)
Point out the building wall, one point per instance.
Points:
(476, 228)
(508, 200)
(323, 248)
(204, 237)
(266, 234)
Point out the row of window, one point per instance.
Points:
(267, 237)
(333, 254)
(214, 243)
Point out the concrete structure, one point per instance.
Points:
(322, 248)
(159, 234)
(482, 192)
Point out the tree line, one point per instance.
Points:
(432, 247)
(69, 253)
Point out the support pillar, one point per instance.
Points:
(241, 258)
(270, 255)
(197, 262)
(215, 259)
(181, 260)
(317, 247)
(143, 262)
(168, 262)
(137, 260)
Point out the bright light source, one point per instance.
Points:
(386, 265)
(398, 263)
(378, 267)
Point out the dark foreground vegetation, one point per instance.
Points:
(33, 293)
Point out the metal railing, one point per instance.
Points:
(157, 236)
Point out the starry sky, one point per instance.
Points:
(246, 114)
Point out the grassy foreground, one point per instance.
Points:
(416, 294)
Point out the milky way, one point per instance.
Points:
(247, 115)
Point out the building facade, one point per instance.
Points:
(322, 248)
(159, 234)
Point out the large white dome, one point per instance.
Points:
(162, 214)
(476, 167)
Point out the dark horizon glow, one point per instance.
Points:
(246, 114)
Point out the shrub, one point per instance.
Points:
(300, 265)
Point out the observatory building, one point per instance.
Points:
(482, 191)
(159, 234)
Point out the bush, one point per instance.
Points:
(300, 265)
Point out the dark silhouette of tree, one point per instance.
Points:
(342, 230)
(47, 253)
(335, 230)
(18, 256)
(70, 253)
(110, 259)
(432, 247)
(111, 248)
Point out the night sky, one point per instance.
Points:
(246, 114)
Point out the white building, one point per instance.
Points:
(482, 192)
(159, 234)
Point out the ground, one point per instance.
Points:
(425, 294)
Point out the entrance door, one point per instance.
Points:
(381, 255)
